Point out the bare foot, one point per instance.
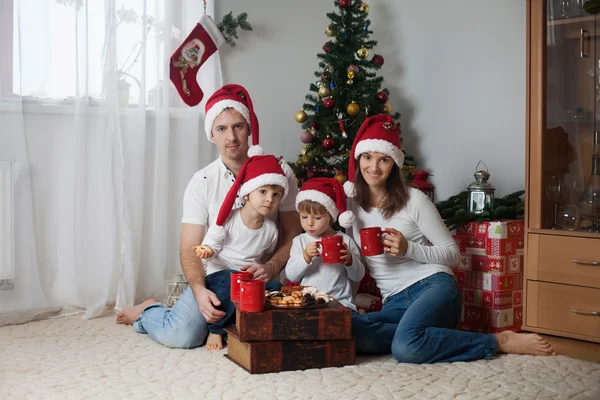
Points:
(130, 314)
(523, 343)
(214, 342)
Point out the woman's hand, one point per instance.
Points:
(346, 257)
(394, 244)
(311, 251)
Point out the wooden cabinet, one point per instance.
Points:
(562, 244)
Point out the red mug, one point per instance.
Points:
(252, 295)
(330, 249)
(234, 283)
(371, 241)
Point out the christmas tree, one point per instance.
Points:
(346, 92)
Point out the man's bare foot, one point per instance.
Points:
(130, 314)
(214, 342)
(523, 343)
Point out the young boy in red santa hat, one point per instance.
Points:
(320, 202)
(242, 236)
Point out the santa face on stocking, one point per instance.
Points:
(192, 52)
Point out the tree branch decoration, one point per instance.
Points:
(228, 26)
(454, 210)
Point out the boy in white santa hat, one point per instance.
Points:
(320, 202)
(242, 236)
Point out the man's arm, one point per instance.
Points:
(289, 222)
(192, 235)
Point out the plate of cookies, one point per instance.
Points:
(303, 297)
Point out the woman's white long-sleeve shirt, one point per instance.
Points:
(419, 221)
(334, 279)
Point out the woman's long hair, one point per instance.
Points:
(397, 193)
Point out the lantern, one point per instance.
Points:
(420, 182)
(174, 289)
(481, 192)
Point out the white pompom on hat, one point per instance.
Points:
(329, 193)
(378, 134)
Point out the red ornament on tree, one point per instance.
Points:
(327, 47)
(382, 97)
(328, 103)
(345, 3)
(377, 60)
(314, 125)
(328, 143)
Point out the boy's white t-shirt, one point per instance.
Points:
(334, 279)
(419, 222)
(242, 245)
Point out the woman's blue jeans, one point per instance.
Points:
(182, 327)
(417, 326)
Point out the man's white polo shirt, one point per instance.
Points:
(209, 186)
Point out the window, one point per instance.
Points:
(58, 48)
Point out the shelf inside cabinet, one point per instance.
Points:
(569, 121)
(568, 21)
(564, 232)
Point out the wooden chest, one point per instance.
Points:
(328, 323)
(292, 355)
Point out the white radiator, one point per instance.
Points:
(7, 238)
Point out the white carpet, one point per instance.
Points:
(70, 358)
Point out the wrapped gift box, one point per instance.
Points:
(490, 275)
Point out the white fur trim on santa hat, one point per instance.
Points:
(318, 197)
(379, 146)
(218, 108)
(256, 151)
(264, 180)
(349, 189)
(213, 30)
(346, 219)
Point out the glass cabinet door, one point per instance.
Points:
(570, 159)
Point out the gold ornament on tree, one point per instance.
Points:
(387, 108)
(349, 82)
(353, 109)
(301, 116)
(341, 178)
(362, 53)
(324, 91)
(303, 151)
(330, 31)
(351, 74)
(364, 8)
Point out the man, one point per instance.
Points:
(230, 119)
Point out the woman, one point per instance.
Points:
(421, 301)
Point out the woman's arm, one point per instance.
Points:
(444, 249)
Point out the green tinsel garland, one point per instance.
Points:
(454, 211)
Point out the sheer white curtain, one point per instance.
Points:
(101, 148)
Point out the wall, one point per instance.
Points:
(455, 70)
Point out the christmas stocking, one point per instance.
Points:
(200, 44)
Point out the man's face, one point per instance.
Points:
(230, 133)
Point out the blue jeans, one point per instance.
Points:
(182, 327)
(418, 325)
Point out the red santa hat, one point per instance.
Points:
(257, 171)
(378, 134)
(236, 97)
(330, 194)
